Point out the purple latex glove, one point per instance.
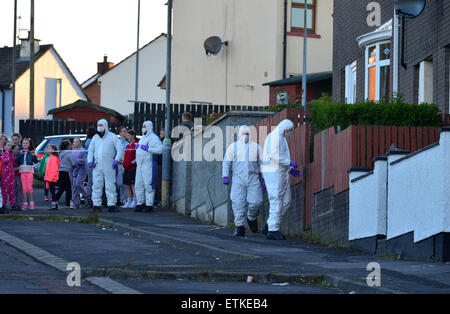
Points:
(226, 180)
(144, 147)
(91, 165)
(294, 164)
(115, 164)
(295, 173)
(137, 146)
(264, 188)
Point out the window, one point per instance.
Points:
(425, 82)
(298, 15)
(282, 97)
(350, 83)
(378, 73)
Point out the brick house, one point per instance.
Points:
(365, 65)
(83, 111)
(91, 86)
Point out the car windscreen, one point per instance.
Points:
(42, 146)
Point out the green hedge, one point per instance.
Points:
(326, 113)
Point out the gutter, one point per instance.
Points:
(285, 39)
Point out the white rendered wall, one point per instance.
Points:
(418, 198)
(117, 86)
(367, 212)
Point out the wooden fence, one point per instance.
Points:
(157, 112)
(37, 130)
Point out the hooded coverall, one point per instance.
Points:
(144, 162)
(244, 160)
(275, 170)
(103, 151)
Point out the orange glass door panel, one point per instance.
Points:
(372, 83)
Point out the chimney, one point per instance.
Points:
(25, 47)
(103, 67)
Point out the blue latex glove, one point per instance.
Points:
(295, 173)
(115, 164)
(226, 180)
(91, 165)
(264, 188)
(144, 147)
(137, 146)
(294, 164)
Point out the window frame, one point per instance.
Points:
(313, 7)
(378, 64)
(351, 79)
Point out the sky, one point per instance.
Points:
(83, 31)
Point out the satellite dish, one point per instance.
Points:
(213, 45)
(409, 8)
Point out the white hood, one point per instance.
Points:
(149, 126)
(285, 125)
(105, 124)
(243, 129)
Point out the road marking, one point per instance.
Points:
(111, 286)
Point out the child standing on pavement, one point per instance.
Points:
(18, 193)
(41, 173)
(79, 173)
(51, 175)
(129, 166)
(26, 159)
(7, 182)
(68, 163)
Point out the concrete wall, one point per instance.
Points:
(47, 66)
(254, 30)
(118, 84)
(197, 185)
(330, 217)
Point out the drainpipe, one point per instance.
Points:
(396, 53)
(3, 110)
(285, 38)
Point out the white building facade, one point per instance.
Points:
(118, 85)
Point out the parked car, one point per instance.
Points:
(56, 140)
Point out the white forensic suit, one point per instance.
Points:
(275, 170)
(103, 151)
(244, 161)
(145, 194)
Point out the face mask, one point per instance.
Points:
(246, 139)
(101, 129)
(288, 134)
(144, 131)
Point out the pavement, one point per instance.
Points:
(164, 252)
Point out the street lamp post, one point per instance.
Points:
(136, 97)
(14, 74)
(165, 199)
(305, 43)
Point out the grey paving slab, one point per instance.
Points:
(21, 274)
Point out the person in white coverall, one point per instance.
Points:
(105, 151)
(149, 145)
(277, 166)
(243, 157)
